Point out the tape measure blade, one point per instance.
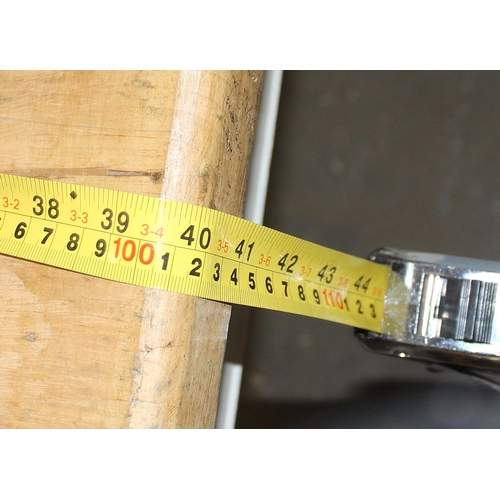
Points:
(185, 248)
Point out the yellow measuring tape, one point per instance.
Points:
(184, 248)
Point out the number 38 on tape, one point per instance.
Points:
(145, 241)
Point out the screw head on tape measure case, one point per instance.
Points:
(145, 241)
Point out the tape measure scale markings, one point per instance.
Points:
(184, 248)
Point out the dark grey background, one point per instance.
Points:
(364, 160)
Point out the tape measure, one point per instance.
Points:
(180, 247)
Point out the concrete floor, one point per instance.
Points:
(364, 160)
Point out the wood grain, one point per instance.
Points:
(78, 351)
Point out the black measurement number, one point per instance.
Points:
(165, 258)
(100, 246)
(216, 275)
(53, 211)
(234, 276)
(283, 262)
(204, 239)
(73, 242)
(49, 231)
(20, 230)
(122, 223)
(327, 274)
(359, 285)
(197, 263)
(240, 249)
(373, 313)
(251, 281)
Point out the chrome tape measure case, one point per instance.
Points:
(452, 310)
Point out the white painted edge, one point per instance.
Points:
(254, 211)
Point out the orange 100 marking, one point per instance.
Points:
(129, 249)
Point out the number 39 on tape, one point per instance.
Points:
(184, 248)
